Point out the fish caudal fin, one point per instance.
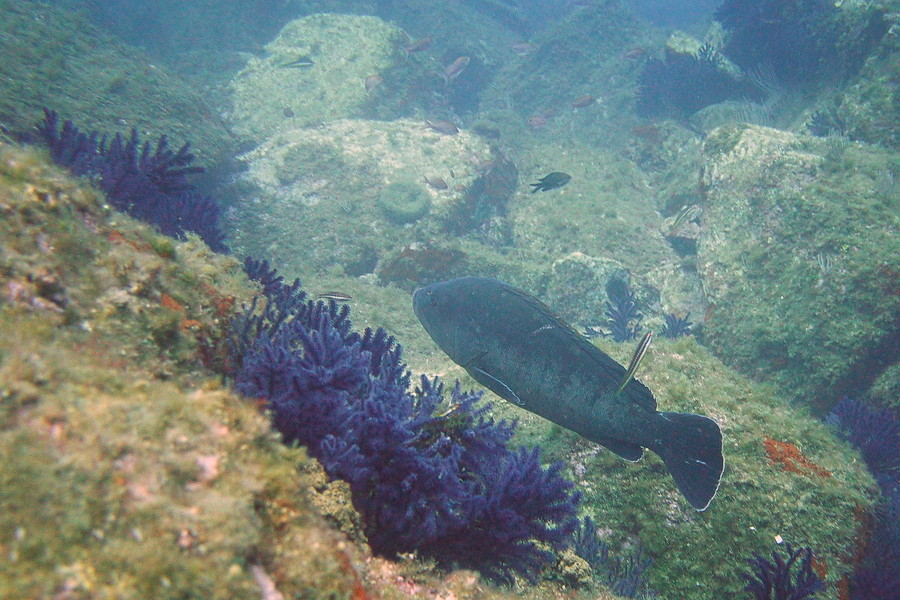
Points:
(691, 447)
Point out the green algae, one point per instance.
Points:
(344, 50)
(57, 59)
(403, 202)
(798, 255)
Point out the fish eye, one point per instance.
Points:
(432, 299)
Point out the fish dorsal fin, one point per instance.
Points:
(636, 359)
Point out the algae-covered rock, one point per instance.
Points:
(403, 202)
(799, 260)
(322, 198)
(126, 469)
(315, 71)
(606, 210)
(56, 58)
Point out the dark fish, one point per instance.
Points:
(515, 346)
(437, 183)
(336, 296)
(552, 181)
(445, 127)
(302, 62)
(288, 113)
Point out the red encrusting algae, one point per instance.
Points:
(789, 457)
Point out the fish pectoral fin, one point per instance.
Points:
(627, 450)
(496, 386)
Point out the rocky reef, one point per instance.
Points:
(798, 258)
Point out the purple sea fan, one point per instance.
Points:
(149, 183)
(776, 580)
(427, 473)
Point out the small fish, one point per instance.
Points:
(523, 48)
(685, 215)
(537, 121)
(554, 180)
(373, 81)
(454, 69)
(436, 182)
(302, 62)
(420, 45)
(288, 113)
(445, 127)
(583, 101)
(336, 296)
(635, 53)
(636, 359)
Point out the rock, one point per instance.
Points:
(798, 257)
(344, 50)
(314, 198)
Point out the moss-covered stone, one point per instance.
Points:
(403, 202)
(56, 58)
(275, 91)
(312, 195)
(798, 257)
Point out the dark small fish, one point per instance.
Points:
(336, 296)
(513, 344)
(420, 45)
(437, 183)
(302, 62)
(455, 69)
(554, 180)
(288, 113)
(583, 101)
(445, 127)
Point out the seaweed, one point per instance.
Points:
(622, 316)
(778, 580)
(676, 326)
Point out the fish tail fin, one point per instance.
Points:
(691, 447)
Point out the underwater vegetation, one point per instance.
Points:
(676, 326)
(622, 316)
(777, 580)
(876, 434)
(148, 183)
(801, 41)
(427, 474)
(622, 575)
(682, 84)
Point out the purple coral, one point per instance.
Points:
(150, 184)
(777, 580)
(441, 482)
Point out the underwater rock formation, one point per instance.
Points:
(55, 58)
(316, 68)
(798, 257)
(314, 199)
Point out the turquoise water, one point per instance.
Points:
(721, 175)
